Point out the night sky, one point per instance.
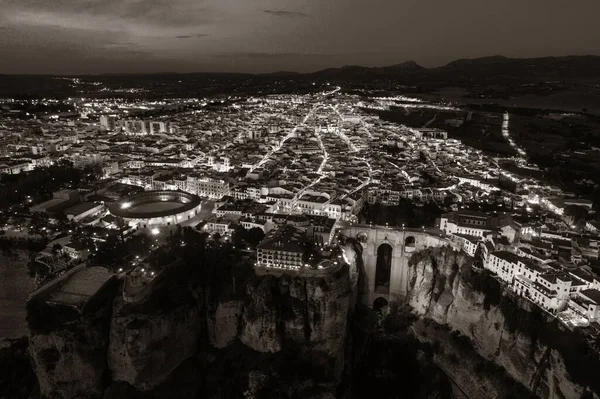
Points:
(102, 36)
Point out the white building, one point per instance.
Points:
(282, 248)
(207, 187)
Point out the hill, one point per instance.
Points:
(481, 70)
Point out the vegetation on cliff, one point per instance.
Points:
(199, 266)
(580, 354)
(388, 359)
(455, 351)
(17, 379)
(484, 283)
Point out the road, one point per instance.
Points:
(506, 134)
(429, 122)
(368, 180)
(286, 138)
(319, 169)
(353, 148)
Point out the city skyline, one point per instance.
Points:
(299, 199)
(67, 37)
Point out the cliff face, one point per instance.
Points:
(288, 311)
(223, 323)
(439, 290)
(69, 357)
(70, 363)
(17, 379)
(146, 347)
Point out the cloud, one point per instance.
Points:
(156, 18)
(127, 44)
(285, 14)
(191, 36)
(270, 55)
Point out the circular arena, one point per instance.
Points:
(157, 208)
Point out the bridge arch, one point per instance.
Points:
(385, 254)
(383, 268)
(410, 243)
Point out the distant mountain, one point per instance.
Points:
(282, 74)
(494, 59)
(478, 70)
(356, 72)
(482, 72)
(407, 65)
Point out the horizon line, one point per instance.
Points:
(497, 56)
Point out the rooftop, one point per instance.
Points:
(286, 238)
(80, 286)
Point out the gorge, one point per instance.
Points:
(291, 336)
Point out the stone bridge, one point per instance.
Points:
(386, 251)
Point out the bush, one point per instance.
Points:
(399, 318)
(17, 379)
(453, 358)
(581, 360)
(463, 342)
(486, 284)
(50, 357)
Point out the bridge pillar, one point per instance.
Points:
(369, 261)
(403, 246)
(399, 280)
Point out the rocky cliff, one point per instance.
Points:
(223, 323)
(182, 329)
(68, 348)
(444, 288)
(306, 313)
(144, 348)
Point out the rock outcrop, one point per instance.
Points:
(223, 325)
(310, 312)
(146, 347)
(68, 348)
(440, 290)
(126, 347)
(17, 379)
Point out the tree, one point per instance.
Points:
(63, 223)
(56, 249)
(312, 255)
(110, 251)
(81, 236)
(36, 269)
(121, 225)
(140, 244)
(7, 247)
(39, 224)
(239, 236)
(3, 220)
(19, 221)
(254, 236)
